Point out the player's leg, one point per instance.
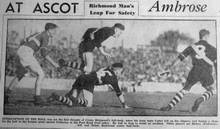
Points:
(208, 93)
(23, 54)
(9, 89)
(82, 61)
(87, 98)
(85, 63)
(20, 73)
(205, 96)
(87, 92)
(39, 82)
(12, 84)
(78, 64)
(63, 99)
(176, 99)
(84, 84)
(191, 80)
(74, 101)
(36, 68)
(84, 98)
(88, 59)
(84, 92)
(74, 92)
(207, 82)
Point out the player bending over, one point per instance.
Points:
(85, 84)
(26, 51)
(92, 38)
(203, 60)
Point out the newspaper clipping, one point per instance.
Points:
(147, 64)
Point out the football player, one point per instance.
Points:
(92, 38)
(204, 61)
(28, 48)
(85, 84)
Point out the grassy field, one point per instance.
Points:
(106, 103)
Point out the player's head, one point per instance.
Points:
(203, 34)
(117, 68)
(51, 28)
(118, 28)
(88, 35)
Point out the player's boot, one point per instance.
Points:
(38, 100)
(196, 104)
(167, 108)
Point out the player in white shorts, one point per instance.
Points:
(31, 45)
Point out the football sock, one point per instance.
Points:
(74, 65)
(177, 98)
(69, 102)
(82, 101)
(65, 100)
(206, 95)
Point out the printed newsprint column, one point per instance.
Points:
(109, 64)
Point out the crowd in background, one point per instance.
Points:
(147, 64)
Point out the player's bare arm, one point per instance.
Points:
(104, 52)
(45, 53)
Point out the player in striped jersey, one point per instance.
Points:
(204, 58)
(26, 51)
(85, 84)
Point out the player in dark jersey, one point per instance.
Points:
(85, 84)
(26, 51)
(203, 60)
(94, 38)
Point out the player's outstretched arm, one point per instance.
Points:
(45, 53)
(187, 51)
(104, 53)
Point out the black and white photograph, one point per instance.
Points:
(103, 67)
